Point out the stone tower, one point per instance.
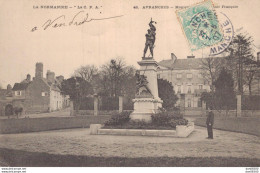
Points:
(39, 70)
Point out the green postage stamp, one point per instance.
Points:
(200, 25)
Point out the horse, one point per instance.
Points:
(18, 111)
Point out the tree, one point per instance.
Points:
(224, 97)
(251, 73)
(208, 98)
(167, 94)
(116, 79)
(86, 72)
(210, 69)
(78, 89)
(240, 50)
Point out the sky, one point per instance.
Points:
(65, 49)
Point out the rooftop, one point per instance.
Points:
(184, 64)
(20, 86)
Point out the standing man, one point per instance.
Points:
(210, 122)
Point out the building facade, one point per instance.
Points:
(187, 80)
(37, 95)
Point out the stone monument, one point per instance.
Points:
(146, 100)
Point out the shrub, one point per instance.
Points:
(161, 120)
(118, 118)
(167, 94)
(174, 122)
(166, 118)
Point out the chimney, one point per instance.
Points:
(60, 78)
(9, 87)
(50, 76)
(190, 56)
(39, 70)
(28, 77)
(258, 57)
(173, 57)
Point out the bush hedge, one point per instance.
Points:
(118, 118)
(168, 119)
(161, 120)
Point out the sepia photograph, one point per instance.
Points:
(129, 83)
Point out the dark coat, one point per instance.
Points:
(210, 118)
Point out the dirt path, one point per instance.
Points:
(79, 142)
(60, 113)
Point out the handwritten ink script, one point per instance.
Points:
(78, 19)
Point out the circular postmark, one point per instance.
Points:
(203, 29)
(228, 34)
(206, 28)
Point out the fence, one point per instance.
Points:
(250, 102)
(102, 105)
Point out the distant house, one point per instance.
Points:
(188, 81)
(6, 101)
(40, 94)
(186, 78)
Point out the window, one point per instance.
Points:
(189, 103)
(189, 75)
(200, 87)
(44, 94)
(189, 89)
(179, 89)
(18, 93)
(179, 76)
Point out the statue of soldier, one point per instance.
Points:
(141, 81)
(150, 38)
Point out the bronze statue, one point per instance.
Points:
(150, 38)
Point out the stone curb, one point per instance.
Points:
(181, 131)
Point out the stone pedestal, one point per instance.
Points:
(94, 128)
(144, 107)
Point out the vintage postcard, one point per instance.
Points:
(129, 83)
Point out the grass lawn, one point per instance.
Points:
(16, 158)
(248, 125)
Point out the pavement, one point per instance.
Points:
(80, 142)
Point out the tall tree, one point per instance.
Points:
(210, 69)
(224, 95)
(167, 94)
(208, 98)
(86, 72)
(251, 73)
(78, 89)
(240, 50)
(116, 78)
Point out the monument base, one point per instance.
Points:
(144, 108)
